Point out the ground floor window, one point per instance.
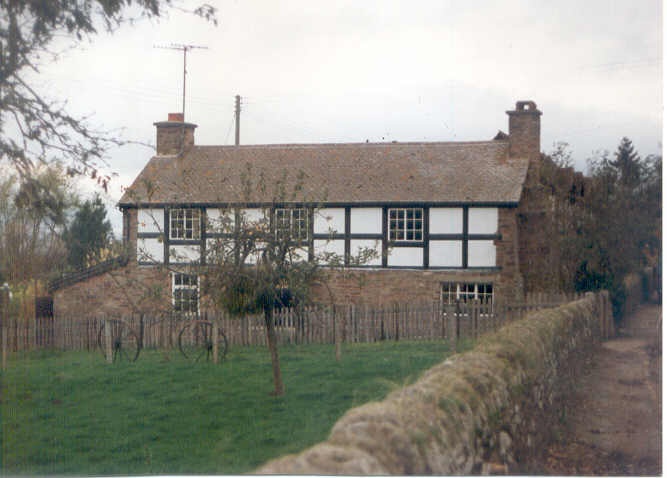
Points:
(185, 293)
(467, 292)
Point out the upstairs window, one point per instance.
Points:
(406, 224)
(467, 292)
(184, 224)
(185, 293)
(292, 223)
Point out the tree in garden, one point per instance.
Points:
(32, 218)
(260, 263)
(89, 234)
(611, 226)
(622, 215)
(37, 130)
(627, 165)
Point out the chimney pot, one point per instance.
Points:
(526, 106)
(177, 117)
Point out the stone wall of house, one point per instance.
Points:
(121, 292)
(147, 289)
(549, 198)
(488, 410)
(388, 286)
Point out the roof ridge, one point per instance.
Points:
(319, 145)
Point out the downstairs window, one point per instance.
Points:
(467, 292)
(185, 293)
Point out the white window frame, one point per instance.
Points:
(185, 224)
(176, 287)
(466, 292)
(293, 220)
(403, 228)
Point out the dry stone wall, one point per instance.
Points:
(490, 407)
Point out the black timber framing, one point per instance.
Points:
(347, 236)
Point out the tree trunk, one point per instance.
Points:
(272, 340)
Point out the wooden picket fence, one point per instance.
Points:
(322, 325)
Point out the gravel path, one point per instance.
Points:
(614, 427)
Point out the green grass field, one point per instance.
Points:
(71, 413)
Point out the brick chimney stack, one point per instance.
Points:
(174, 136)
(524, 130)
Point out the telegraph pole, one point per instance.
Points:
(237, 112)
(184, 49)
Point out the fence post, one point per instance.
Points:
(108, 348)
(452, 332)
(214, 335)
(475, 316)
(4, 320)
(336, 332)
(396, 317)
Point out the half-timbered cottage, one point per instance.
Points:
(447, 220)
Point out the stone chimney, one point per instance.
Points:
(174, 136)
(524, 129)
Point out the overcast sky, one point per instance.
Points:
(350, 71)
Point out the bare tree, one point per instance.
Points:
(35, 129)
(261, 261)
(32, 219)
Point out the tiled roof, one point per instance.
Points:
(471, 172)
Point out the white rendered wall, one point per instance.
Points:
(253, 215)
(150, 220)
(406, 256)
(445, 254)
(481, 254)
(446, 220)
(366, 220)
(329, 221)
(482, 220)
(254, 257)
(184, 253)
(357, 245)
(215, 246)
(219, 220)
(299, 254)
(324, 247)
(150, 250)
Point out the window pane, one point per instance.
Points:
(186, 293)
(292, 223)
(405, 224)
(184, 223)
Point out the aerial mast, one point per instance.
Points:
(184, 48)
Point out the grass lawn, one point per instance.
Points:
(71, 413)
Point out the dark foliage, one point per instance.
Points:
(612, 228)
(88, 235)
